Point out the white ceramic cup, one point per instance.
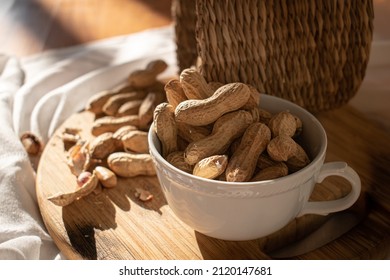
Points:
(250, 210)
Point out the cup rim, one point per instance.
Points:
(305, 172)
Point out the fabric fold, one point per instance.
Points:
(20, 216)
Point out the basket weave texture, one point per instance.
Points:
(311, 52)
(184, 17)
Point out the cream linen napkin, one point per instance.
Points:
(21, 231)
(37, 94)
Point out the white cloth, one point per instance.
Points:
(37, 94)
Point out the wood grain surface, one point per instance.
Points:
(114, 224)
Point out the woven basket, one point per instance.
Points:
(311, 52)
(184, 18)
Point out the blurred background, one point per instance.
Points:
(31, 26)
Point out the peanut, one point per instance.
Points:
(254, 141)
(181, 143)
(129, 108)
(255, 112)
(106, 177)
(83, 178)
(253, 100)
(177, 160)
(227, 98)
(234, 146)
(146, 109)
(174, 92)
(32, 143)
(130, 165)
(283, 123)
(111, 124)
(281, 148)
(299, 127)
(122, 131)
(78, 157)
(298, 161)
(157, 66)
(225, 130)
(70, 137)
(194, 84)
(165, 127)
(136, 141)
(265, 161)
(113, 104)
(211, 167)
(284, 148)
(144, 78)
(96, 102)
(158, 88)
(192, 133)
(264, 116)
(103, 145)
(64, 199)
(122, 88)
(272, 172)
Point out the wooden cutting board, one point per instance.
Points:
(114, 224)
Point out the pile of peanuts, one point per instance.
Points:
(210, 130)
(217, 131)
(119, 147)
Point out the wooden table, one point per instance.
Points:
(359, 133)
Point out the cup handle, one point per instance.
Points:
(325, 207)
